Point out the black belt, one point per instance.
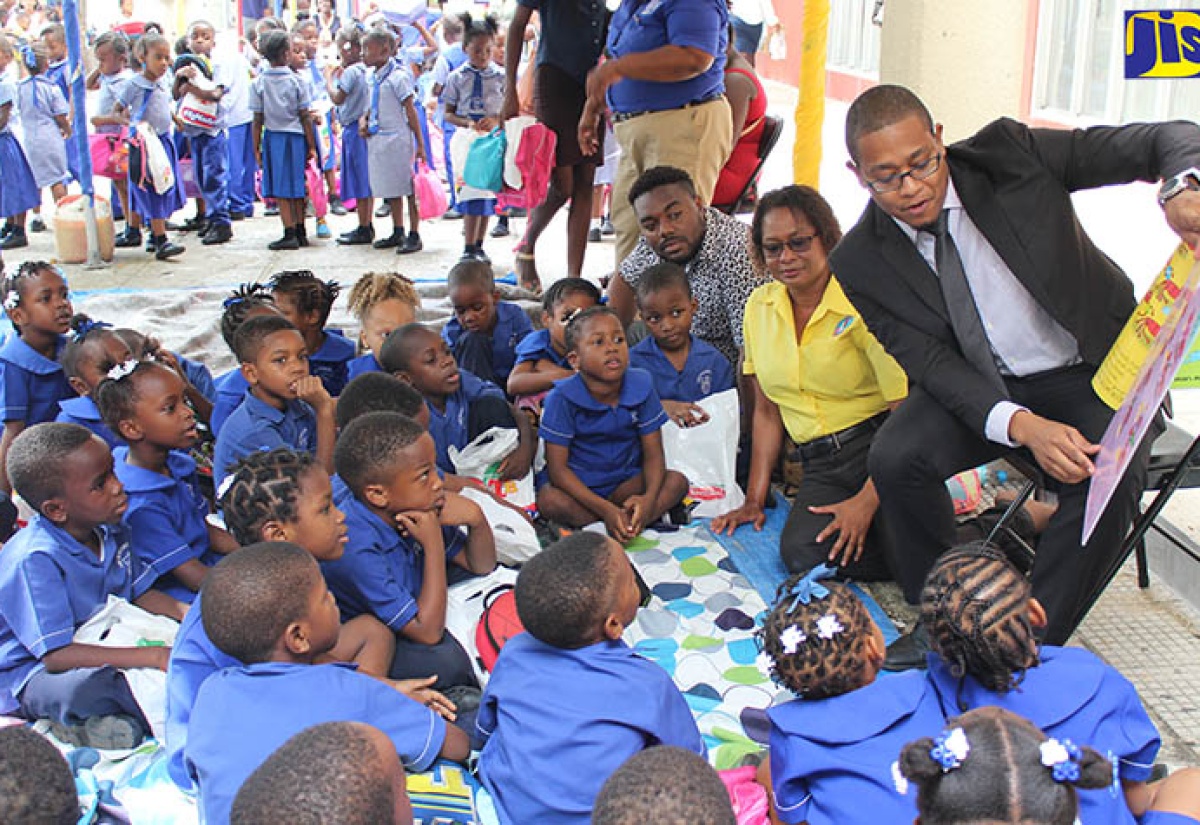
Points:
(829, 444)
(621, 117)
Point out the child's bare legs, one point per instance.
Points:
(366, 641)
(556, 505)
(58, 191)
(331, 187)
(364, 208)
(674, 488)
(414, 214)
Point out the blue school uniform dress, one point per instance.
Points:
(243, 714)
(280, 95)
(83, 411)
(450, 59)
(1072, 695)
(604, 443)
(559, 722)
(475, 94)
(166, 517)
(391, 145)
(57, 74)
(193, 659)
(39, 101)
(355, 174)
(257, 426)
(229, 393)
(706, 371)
(243, 168)
(31, 385)
(18, 191)
(362, 364)
(831, 759)
(210, 153)
(381, 572)
(452, 427)
(50, 585)
(493, 356)
(331, 363)
(151, 102)
(537, 346)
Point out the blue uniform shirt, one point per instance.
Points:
(363, 363)
(638, 26)
(831, 759)
(1072, 695)
(381, 571)
(243, 714)
(604, 443)
(57, 74)
(537, 346)
(166, 518)
(83, 411)
(332, 361)
(280, 96)
(139, 91)
(559, 722)
(459, 94)
(353, 84)
(198, 376)
(452, 427)
(706, 371)
(230, 392)
(512, 325)
(31, 385)
(256, 425)
(50, 585)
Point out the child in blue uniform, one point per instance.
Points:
(86, 360)
(982, 624)
(144, 97)
(199, 386)
(348, 89)
(569, 701)
(239, 120)
(405, 530)
(461, 406)
(664, 783)
(144, 403)
(279, 495)
(112, 71)
(485, 331)
(285, 405)
(249, 300)
(832, 749)
(324, 137)
(37, 780)
(382, 302)
(32, 382)
(18, 191)
(54, 39)
(267, 606)
(684, 368)
(990, 765)
(44, 128)
(58, 572)
(604, 450)
(541, 356)
(306, 300)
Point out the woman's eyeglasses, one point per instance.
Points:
(798, 244)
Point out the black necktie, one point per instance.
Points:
(960, 303)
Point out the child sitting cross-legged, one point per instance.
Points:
(55, 575)
(541, 356)
(144, 403)
(569, 701)
(684, 368)
(485, 331)
(267, 606)
(602, 427)
(306, 301)
(405, 530)
(285, 406)
(832, 749)
(86, 359)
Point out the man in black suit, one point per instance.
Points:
(972, 269)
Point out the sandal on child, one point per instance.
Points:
(527, 274)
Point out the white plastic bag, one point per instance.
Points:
(464, 607)
(707, 455)
(481, 460)
(516, 540)
(161, 172)
(192, 111)
(121, 624)
(513, 128)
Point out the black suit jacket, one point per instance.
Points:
(1015, 183)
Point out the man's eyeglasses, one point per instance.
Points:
(798, 244)
(917, 171)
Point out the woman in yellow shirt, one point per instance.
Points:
(818, 374)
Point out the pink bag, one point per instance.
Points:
(110, 155)
(749, 798)
(315, 182)
(431, 195)
(187, 177)
(535, 160)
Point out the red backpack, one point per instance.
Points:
(497, 625)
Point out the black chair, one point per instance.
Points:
(772, 129)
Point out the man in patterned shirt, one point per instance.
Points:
(713, 247)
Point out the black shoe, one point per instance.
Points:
(130, 238)
(594, 235)
(288, 241)
(361, 236)
(7, 230)
(238, 216)
(383, 210)
(165, 250)
(478, 254)
(606, 227)
(412, 243)
(452, 214)
(336, 206)
(217, 233)
(15, 240)
(909, 652)
(393, 240)
(37, 225)
(272, 211)
(500, 230)
(301, 235)
(196, 224)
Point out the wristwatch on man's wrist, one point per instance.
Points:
(1187, 179)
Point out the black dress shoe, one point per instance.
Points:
(217, 233)
(360, 236)
(391, 241)
(909, 652)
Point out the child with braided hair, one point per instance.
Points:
(86, 359)
(990, 765)
(306, 300)
(983, 624)
(831, 749)
(382, 302)
(249, 300)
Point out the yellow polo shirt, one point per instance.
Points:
(837, 374)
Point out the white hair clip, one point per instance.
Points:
(122, 370)
(226, 483)
(828, 626)
(899, 779)
(12, 300)
(950, 749)
(791, 639)
(765, 662)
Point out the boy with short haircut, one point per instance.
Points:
(569, 701)
(602, 429)
(267, 605)
(541, 357)
(380, 392)
(685, 369)
(485, 331)
(36, 785)
(285, 406)
(55, 574)
(664, 784)
(461, 406)
(404, 529)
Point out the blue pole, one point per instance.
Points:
(79, 132)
